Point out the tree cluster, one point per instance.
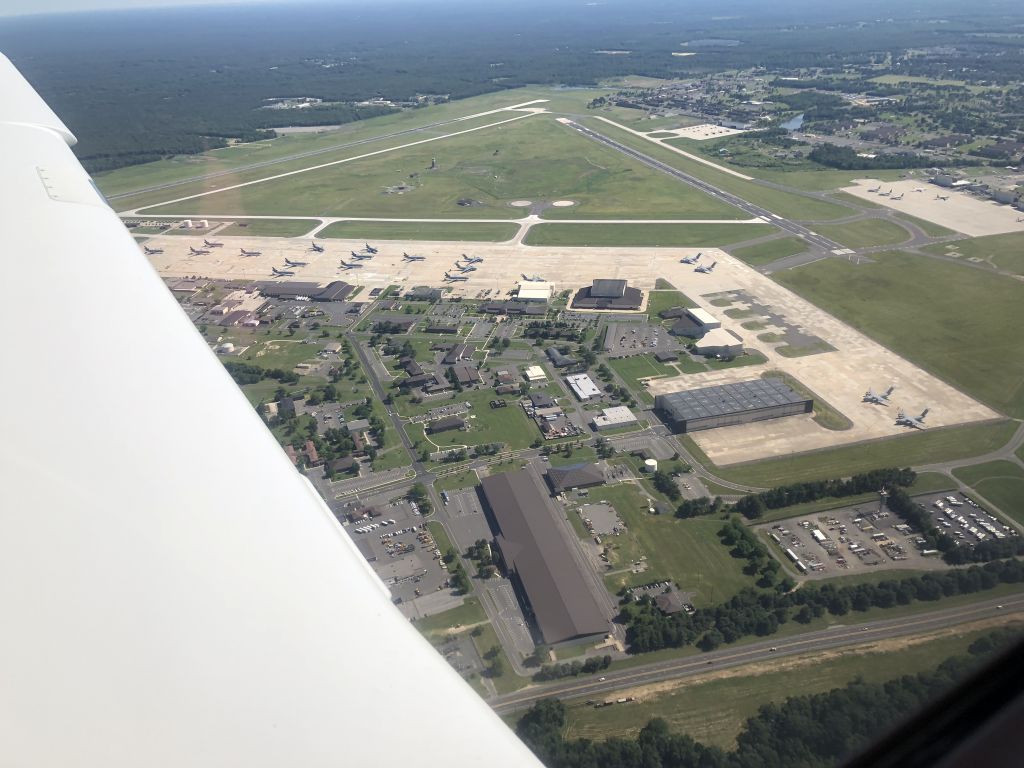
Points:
(246, 373)
(575, 669)
(760, 613)
(754, 505)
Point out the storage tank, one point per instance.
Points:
(650, 465)
(186, 224)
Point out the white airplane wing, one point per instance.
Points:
(173, 592)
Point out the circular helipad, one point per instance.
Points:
(563, 203)
(521, 203)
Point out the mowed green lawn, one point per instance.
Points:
(773, 250)
(1004, 251)
(686, 551)
(866, 233)
(961, 324)
(659, 300)
(535, 158)
(269, 227)
(785, 204)
(714, 707)
(483, 232)
(1001, 482)
(925, 447)
(645, 235)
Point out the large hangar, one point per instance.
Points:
(725, 405)
(539, 561)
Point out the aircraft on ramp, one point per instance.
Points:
(691, 259)
(197, 251)
(898, 197)
(915, 422)
(369, 248)
(361, 256)
(346, 265)
(879, 399)
(210, 244)
(250, 253)
(282, 272)
(410, 257)
(707, 269)
(942, 197)
(533, 279)
(291, 263)
(455, 278)
(467, 269)
(886, 193)
(472, 259)
(875, 189)
(152, 251)
(316, 247)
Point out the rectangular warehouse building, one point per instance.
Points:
(538, 559)
(728, 404)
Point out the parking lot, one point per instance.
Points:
(628, 339)
(960, 516)
(851, 540)
(404, 554)
(466, 521)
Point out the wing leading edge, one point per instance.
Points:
(173, 591)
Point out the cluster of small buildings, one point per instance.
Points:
(709, 338)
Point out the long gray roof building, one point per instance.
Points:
(539, 559)
(727, 404)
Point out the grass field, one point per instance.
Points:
(929, 228)
(933, 445)
(846, 197)
(269, 227)
(649, 235)
(659, 300)
(866, 233)
(1003, 251)
(535, 158)
(904, 302)
(712, 708)
(1001, 482)
(465, 615)
(685, 551)
(773, 250)
(785, 204)
(632, 369)
(509, 681)
(486, 425)
(484, 232)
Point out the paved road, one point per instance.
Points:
(852, 633)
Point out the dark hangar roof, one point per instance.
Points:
(534, 548)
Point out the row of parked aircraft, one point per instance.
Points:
(903, 419)
(463, 268)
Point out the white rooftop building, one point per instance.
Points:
(583, 386)
(534, 291)
(535, 373)
(617, 416)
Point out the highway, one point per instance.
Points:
(851, 633)
(811, 237)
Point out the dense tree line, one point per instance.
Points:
(754, 505)
(761, 613)
(847, 159)
(246, 373)
(137, 86)
(806, 731)
(745, 545)
(575, 669)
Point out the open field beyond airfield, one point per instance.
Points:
(840, 377)
(962, 325)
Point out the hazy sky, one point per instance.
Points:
(21, 7)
